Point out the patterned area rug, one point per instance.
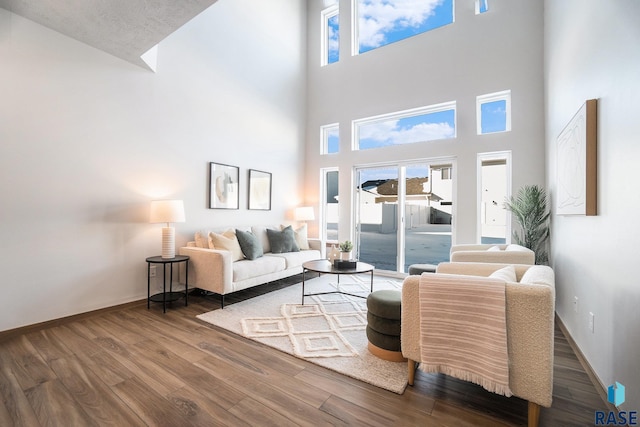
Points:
(328, 330)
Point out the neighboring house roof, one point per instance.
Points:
(386, 190)
(415, 186)
(372, 184)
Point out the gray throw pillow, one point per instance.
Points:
(251, 247)
(282, 241)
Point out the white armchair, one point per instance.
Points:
(530, 307)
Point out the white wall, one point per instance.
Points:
(476, 55)
(87, 140)
(591, 51)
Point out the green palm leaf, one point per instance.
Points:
(529, 207)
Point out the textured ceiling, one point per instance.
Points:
(124, 28)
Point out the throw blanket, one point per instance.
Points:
(463, 329)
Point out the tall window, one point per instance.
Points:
(330, 205)
(330, 138)
(405, 127)
(494, 186)
(493, 112)
(330, 35)
(381, 22)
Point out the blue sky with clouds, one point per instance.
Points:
(411, 171)
(493, 116)
(381, 22)
(334, 39)
(424, 127)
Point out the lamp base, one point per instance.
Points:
(168, 242)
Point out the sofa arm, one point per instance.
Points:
(530, 327)
(209, 269)
(318, 245)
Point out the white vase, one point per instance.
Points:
(345, 256)
(334, 254)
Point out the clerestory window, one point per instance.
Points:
(405, 127)
(330, 138)
(482, 6)
(330, 35)
(381, 22)
(493, 112)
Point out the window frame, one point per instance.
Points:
(324, 137)
(419, 111)
(479, 3)
(325, 15)
(504, 95)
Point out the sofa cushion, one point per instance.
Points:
(282, 241)
(508, 274)
(227, 241)
(247, 269)
(251, 247)
(295, 259)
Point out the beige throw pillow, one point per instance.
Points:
(301, 236)
(508, 274)
(227, 241)
(202, 240)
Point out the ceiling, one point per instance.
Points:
(124, 28)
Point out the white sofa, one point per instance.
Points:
(216, 271)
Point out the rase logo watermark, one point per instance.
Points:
(615, 395)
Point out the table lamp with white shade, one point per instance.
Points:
(168, 211)
(303, 214)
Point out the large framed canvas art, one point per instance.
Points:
(577, 178)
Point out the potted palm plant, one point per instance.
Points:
(345, 250)
(529, 207)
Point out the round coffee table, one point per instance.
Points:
(323, 266)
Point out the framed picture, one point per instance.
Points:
(259, 190)
(223, 186)
(577, 163)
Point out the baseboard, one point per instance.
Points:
(4, 335)
(600, 388)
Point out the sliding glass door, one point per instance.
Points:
(377, 217)
(404, 214)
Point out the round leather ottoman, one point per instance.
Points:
(383, 325)
(418, 269)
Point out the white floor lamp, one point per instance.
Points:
(168, 211)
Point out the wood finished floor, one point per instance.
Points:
(133, 367)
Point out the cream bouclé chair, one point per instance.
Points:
(530, 307)
(505, 254)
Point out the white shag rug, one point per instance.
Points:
(328, 330)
